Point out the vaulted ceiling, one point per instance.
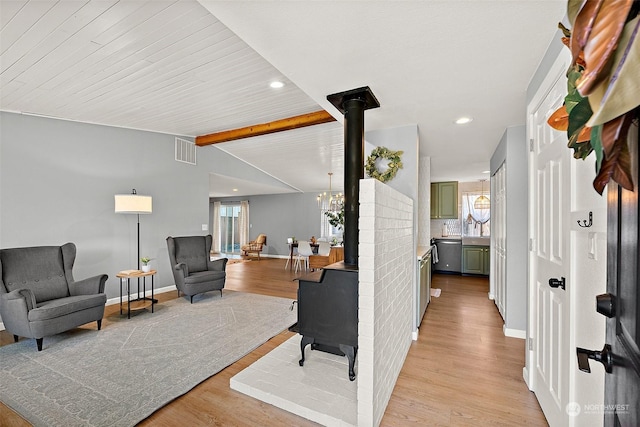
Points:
(192, 68)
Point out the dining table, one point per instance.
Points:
(314, 249)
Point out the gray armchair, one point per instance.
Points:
(193, 271)
(39, 297)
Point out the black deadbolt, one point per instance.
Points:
(557, 283)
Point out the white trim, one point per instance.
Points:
(525, 376)
(514, 333)
(491, 296)
(414, 335)
(116, 300)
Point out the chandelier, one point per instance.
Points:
(483, 201)
(328, 202)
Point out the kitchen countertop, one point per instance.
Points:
(476, 241)
(422, 251)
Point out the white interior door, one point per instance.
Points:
(498, 232)
(549, 211)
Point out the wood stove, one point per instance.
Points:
(328, 312)
(328, 300)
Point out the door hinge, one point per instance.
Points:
(530, 344)
(531, 145)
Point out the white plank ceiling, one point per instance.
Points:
(176, 67)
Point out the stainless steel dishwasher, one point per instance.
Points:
(449, 256)
(424, 290)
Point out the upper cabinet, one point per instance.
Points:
(444, 200)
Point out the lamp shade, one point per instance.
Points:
(133, 204)
(482, 202)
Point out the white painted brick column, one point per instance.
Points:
(385, 263)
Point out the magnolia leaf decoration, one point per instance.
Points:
(394, 164)
(602, 25)
(622, 92)
(603, 88)
(616, 163)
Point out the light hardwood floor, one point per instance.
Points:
(462, 371)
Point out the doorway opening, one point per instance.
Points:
(230, 229)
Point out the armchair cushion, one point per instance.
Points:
(204, 276)
(63, 306)
(39, 269)
(191, 253)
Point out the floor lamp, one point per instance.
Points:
(133, 204)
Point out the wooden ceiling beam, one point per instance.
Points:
(303, 120)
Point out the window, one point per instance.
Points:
(475, 222)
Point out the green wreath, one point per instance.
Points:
(394, 164)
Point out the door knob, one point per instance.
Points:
(605, 357)
(606, 305)
(557, 283)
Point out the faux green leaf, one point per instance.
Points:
(596, 144)
(581, 150)
(579, 116)
(565, 31)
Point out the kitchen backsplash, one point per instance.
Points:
(448, 227)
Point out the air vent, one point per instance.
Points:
(185, 151)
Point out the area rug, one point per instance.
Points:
(120, 375)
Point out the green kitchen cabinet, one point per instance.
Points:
(475, 260)
(444, 200)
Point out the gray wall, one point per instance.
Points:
(545, 64)
(280, 216)
(406, 181)
(513, 150)
(58, 180)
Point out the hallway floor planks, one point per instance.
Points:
(462, 371)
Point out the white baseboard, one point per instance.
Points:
(414, 335)
(491, 296)
(116, 300)
(525, 375)
(514, 333)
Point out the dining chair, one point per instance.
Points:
(324, 248)
(304, 250)
(289, 243)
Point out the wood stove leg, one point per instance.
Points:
(350, 352)
(305, 341)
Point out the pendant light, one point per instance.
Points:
(482, 202)
(329, 202)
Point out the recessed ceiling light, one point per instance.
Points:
(276, 85)
(235, 189)
(463, 120)
(486, 171)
